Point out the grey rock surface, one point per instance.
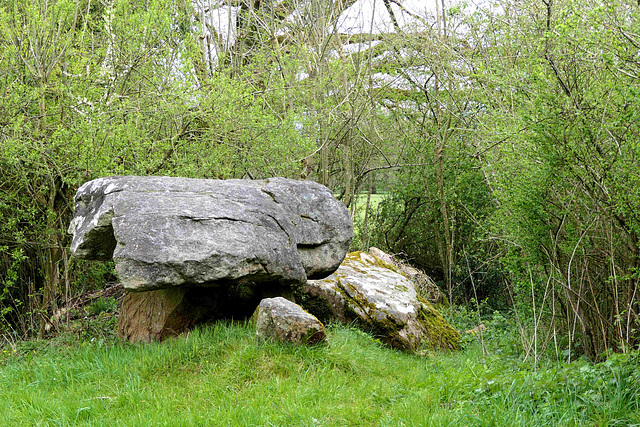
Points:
(163, 232)
(285, 321)
(423, 284)
(375, 295)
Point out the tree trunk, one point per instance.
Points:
(365, 235)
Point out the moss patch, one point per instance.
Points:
(441, 334)
(357, 257)
(318, 306)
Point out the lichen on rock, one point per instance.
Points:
(425, 286)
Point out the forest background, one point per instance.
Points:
(494, 146)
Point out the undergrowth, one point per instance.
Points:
(220, 375)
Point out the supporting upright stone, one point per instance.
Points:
(154, 315)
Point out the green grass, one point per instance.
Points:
(220, 376)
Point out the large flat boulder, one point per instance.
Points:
(378, 297)
(165, 232)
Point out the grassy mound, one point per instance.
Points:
(220, 375)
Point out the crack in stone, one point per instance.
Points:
(114, 191)
(309, 218)
(270, 194)
(213, 218)
(281, 227)
(314, 245)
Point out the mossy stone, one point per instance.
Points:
(378, 298)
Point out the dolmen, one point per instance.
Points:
(192, 250)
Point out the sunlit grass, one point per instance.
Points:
(220, 376)
(360, 205)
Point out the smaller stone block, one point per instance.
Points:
(285, 321)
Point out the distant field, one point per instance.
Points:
(361, 204)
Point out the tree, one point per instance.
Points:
(86, 96)
(562, 164)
